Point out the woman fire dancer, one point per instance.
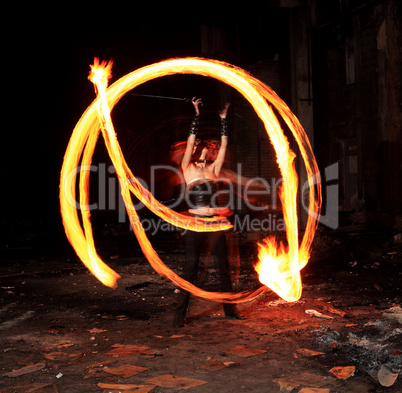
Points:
(201, 166)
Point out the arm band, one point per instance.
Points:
(224, 127)
(194, 125)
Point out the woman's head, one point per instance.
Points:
(199, 150)
(213, 147)
(206, 150)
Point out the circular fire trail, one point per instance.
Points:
(278, 267)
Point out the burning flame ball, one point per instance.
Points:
(278, 266)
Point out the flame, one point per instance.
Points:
(273, 267)
(100, 75)
(279, 269)
(274, 270)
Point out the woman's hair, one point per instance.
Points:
(198, 150)
(211, 144)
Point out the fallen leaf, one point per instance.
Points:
(130, 346)
(231, 364)
(125, 370)
(25, 370)
(175, 382)
(96, 330)
(65, 345)
(52, 331)
(58, 355)
(213, 365)
(308, 379)
(53, 355)
(326, 306)
(217, 364)
(309, 352)
(128, 350)
(343, 372)
(245, 352)
(318, 314)
(151, 353)
(285, 385)
(314, 390)
(131, 387)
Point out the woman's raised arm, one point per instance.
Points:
(192, 134)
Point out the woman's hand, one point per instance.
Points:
(196, 102)
(224, 111)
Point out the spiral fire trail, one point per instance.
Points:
(278, 268)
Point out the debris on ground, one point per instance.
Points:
(175, 382)
(245, 352)
(25, 370)
(309, 352)
(343, 372)
(387, 376)
(68, 330)
(317, 314)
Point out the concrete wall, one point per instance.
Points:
(357, 90)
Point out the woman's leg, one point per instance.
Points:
(193, 242)
(221, 258)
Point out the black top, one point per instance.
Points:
(202, 193)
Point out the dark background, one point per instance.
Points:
(48, 49)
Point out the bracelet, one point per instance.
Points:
(224, 127)
(194, 125)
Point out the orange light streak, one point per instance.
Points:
(283, 266)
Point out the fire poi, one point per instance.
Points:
(278, 266)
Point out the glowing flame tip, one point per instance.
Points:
(100, 72)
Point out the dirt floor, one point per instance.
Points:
(63, 331)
